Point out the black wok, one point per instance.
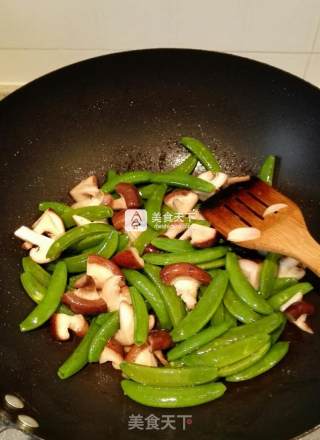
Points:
(126, 111)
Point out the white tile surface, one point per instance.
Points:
(290, 62)
(313, 71)
(82, 24)
(248, 25)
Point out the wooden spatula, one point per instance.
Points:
(284, 232)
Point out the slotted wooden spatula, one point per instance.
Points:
(284, 232)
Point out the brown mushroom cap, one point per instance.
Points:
(300, 308)
(129, 258)
(171, 271)
(101, 269)
(159, 340)
(130, 194)
(84, 306)
(118, 220)
(181, 200)
(142, 355)
(60, 324)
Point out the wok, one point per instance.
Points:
(126, 111)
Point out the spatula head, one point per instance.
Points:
(244, 205)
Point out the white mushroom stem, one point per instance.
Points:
(236, 179)
(100, 269)
(187, 288)
(181, 200)
(195, 214)
(161, 357)
(217, 179)
(49, 223)
(274, 208)
(62, 323)
(199, 235)
(43, 243)
(175, 229)
(119, 203)
(125, 335)
(113, 293)
(86, 189)
(110, 355)
(238, 235)
(251, 270)
(290, 268)
(301, 322)
(142, 355)
(296, 298)
(93, 201)
(152, 322)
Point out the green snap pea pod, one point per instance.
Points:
(108, 246)
(37, 291)
(172, 301)
(153, 207)
(147, 190)
(268, 274)
(243, 288)
(133, 177)
(43, 311)
(123, 242)
(36, 270)
(275, 335)
(79, 357)
(236, 367)
(277, 300)
(149, 291)
(219, 315)
(172, 244)
(188, 165)
(266, 172)
(73, 236)
(182, 180)
(283, 283)
(111, 174)
(92, 213)
(172, 397)
(103, 318)
(276, 353)
(238, 308)
(202, 152)
(194, 257)
(228, 354)
(169, 377)
(194, 342)
(214, 264)
(57, 207)
(89, 242)
(144, 239)
(141, 317)
(263, 325)
(101, 337)
(197, 318)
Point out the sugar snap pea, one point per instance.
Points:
(144, 239)
(172, 301)
(149, 291)
(79, 357)
(128, 177)
(36, 270)
(141, 317)
(264, 325)
(277, 300)
(219, 315)
(194, 257)
(153, 207)
(276, 353)
(197, 318)
(169, 377)
(92, 213)
(228, 354)
(194, 342)
(266, 171)
(244, 363)
(243, 288)
(283, 283)
(108, 246)
(108, 328)
(88, 242)
(43, 311)
(238, 308)
(172, 244)
(275, 335)
(123, 242)
(31, 285)
(202, 152)
(268, 274)
(214, 264)
(147, 190)
(58, 207)
(73, 236)
(172, 397)
(111, 174)
(188, 165)
(182, 180)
